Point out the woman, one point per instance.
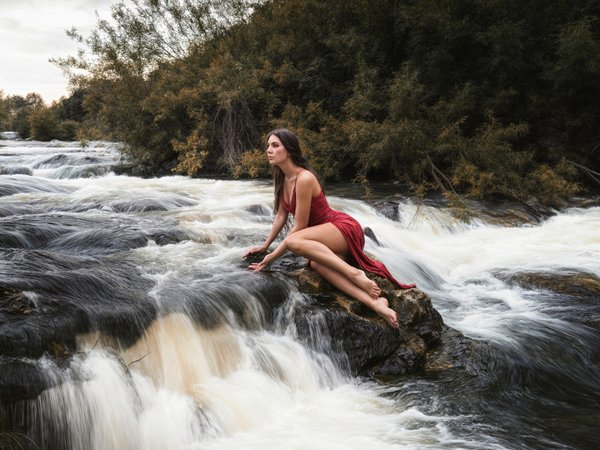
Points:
(326, 237)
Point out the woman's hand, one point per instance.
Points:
(257, 250)
(260, 266)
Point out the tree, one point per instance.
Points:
(124, 62)
(43, 124)
(475, 97)
(4, 112)
(20, 108)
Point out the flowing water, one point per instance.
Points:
(176, 346)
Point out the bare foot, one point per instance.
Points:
(383, 309)
(366, 284)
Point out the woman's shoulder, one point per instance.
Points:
(306, 177)
(307, 180)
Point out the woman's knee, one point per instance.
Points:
(316, 266)
(294, 244)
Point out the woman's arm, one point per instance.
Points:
(305, 186)
(278, 223)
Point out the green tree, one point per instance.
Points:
(43, 124)
(4, 112)
(20, 109)
(125, 62)
(475, 97)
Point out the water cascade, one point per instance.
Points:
(128, 320)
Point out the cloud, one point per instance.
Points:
(31, 32)
(9, 24)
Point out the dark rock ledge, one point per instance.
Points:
(367, 345)
(370, 346)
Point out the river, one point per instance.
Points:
(172, 344)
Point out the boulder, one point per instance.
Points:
(578, 292)
(369, 346)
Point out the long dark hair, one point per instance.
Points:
(291, 143)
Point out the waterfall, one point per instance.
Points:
(170, 343)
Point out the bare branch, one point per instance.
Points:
(591, 173)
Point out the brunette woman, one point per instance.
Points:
(329, 239)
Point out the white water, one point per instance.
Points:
(462, 261)
(184, 386)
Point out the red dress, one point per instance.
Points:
(321, 212)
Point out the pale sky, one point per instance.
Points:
(31, 32)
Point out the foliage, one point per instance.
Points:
(253, 164)
(138, 82)
(192, 154)
(17, 110)
(42, 124)
(30, 117)
(67, 130)
(472, 97)
(4, 112)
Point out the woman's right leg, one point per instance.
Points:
(340, 281)
(323, 244)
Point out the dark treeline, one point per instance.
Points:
(475, 97)
(31, 118)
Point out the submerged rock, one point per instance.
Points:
(579, 293)
(458, 353)
(22, 379)
(579, 284)
(18, 170)
(369, 345)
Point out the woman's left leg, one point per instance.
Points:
(379, 305)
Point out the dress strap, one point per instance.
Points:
(295, 181)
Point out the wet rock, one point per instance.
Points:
(455, 352)
(19, 184)
(21, 379)
(19, 170)
(506, 211)
(144, 170)
(174, 236)
(13, 302)
(369, 345)
(587, 202)
(579, 293)
(259, 210)
(53, 161)
(135, 170)
(287, 263)
(387, 208)
(578, 284)
(371, 235)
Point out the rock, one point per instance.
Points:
(368, 344)
(507, 211)
(135, 170)
(579, 284)
(456, 352)
(22, 379)
(371, 234)
(387, 208)
(578, 291)
(587, 202)
(13, 301)
(287, 263)
(259, 210)
(416, 312)
(18, 170)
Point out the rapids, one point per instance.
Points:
(172, 344)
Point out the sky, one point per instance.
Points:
(32, 32)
